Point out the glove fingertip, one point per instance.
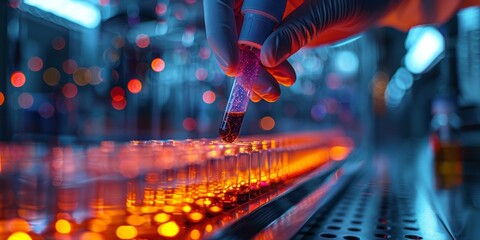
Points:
(274, 51)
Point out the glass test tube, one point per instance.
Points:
(215, 173)
(255, 169)
(230, 183)
(195, 162)
(240, 94)
(243, 173)
(265, 166)
(274, 180)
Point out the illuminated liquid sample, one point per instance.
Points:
(240, 95)
(232, 122)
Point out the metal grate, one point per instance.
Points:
(372, 208)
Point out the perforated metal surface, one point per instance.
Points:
(374, 208)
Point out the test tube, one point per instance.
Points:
(215, 172)
(255, 169)
(274, 179)
(243, 173)
(240, 94)
(260, 18)
(265, 155)
(230, 183)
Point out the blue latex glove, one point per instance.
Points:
(311, 23)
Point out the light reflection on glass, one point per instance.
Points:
(147, 189)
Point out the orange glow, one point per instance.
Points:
(161, 217)
(119, 105)
(126, 232)
(51, 76)
(97, 225)
(136, 220)
(18, 225)
(209, 228)
(195, 234)
(35, 64)
(168, 209)
(267, 123)
(135, 86)
(19, 236)
(168, 229)
(195, 216)
(209, 97)
(18, 79)
(2, 98)
(215, 209)
(82, 76)
(189, 124)
(149, 209)
(158, 64)
(63, 226)
(91, 236)
(69, 90)
(339, 153)
(70, 66)
(186, 209)
(25, 100)
(142, 41)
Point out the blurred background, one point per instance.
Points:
(97, 70)
(121, 70)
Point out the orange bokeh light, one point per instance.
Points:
(267, 123)
(18, 79)
(134, 86)
(35, 64)
(338, 153)
(69, 90)
(161, 217)
(158, 64)
(91, 236)
(169, 229)
(126, 232)
(195, 234)
(136, 220)
(18, 225)
(209, 97)
(63, 226)
(2, 98)
(196, 216)
(19, 236)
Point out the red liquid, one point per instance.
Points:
(230, 127)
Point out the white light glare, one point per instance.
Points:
(82, 13)
(425, 50)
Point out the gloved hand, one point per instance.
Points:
(307, 22)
